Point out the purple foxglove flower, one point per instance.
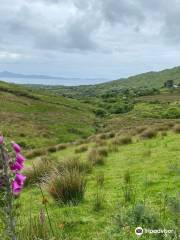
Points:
(16, 188)
(16, 166)
(16, 147)
(20, 158)
(1, 139)
(20, 179)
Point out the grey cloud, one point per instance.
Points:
(24, 24)
(122, 11)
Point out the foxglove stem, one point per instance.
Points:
(8, 194)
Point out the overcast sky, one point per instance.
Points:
(89, 38)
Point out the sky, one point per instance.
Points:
(104, 39)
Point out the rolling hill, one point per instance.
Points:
(37, 118)
(144, 80)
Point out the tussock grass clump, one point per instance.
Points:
(103, 151)
(81, 149)
(73, 163)
(170, 124)
(176, 128)
(52, 149)
(102, 136)
(80, 142)
(56, 148)
(61, 146)
(35, 153)
(149, 133)
(163, 134)
(41, 169)
(36, 228)
(67, 187)
(122, 140)
(113, 147)
(97, 155)
(100, 142)
(110, 134)
(162, 127)
(141, 129)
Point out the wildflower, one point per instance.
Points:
(16, 147)
(16, 188)
(1, 139)
(20, 179)
(18, 183)
(20, 158)
(16, 166)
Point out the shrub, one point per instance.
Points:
(176, 128)
(81, 149)
(149, 133)
(67, 187)
(42, 168)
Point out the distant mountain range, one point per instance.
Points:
(7, 74)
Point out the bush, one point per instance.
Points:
(176, 128)
(121, 108)
(42, 168)
(81, 149)
(67, 187)
(149, 133)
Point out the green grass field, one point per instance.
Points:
(99, 162)
(154, 169)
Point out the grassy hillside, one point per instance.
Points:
(101, 186)
(36, 118)
(146, 80)
(136, 185)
